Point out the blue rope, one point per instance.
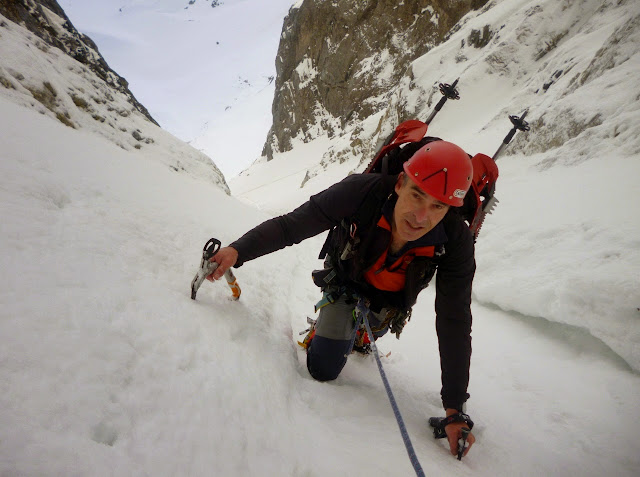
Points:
(363, 311)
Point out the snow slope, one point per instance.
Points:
(108, 368)
(41, 77)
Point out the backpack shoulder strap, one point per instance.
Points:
(367, 213)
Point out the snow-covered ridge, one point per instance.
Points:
(37, 75)
(560, 60)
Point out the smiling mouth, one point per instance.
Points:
(414, 227)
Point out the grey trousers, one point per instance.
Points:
(335, 328)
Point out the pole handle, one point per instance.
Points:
(519, 124)
(448, 91)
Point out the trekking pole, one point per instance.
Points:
(519, 124)
(207, 267)
(411, 130)
(448, 91)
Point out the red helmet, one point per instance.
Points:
(443, 170)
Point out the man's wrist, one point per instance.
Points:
(453, 415)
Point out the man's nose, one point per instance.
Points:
(421, 214)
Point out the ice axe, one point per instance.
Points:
(207, 267)
(485, 175)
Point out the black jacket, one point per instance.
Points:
(455, 267)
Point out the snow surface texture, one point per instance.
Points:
(108, 368)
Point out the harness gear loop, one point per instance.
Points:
(398, 322)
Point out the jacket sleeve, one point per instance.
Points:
(320, 213)
(453, 314)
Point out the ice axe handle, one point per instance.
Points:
(233, 284)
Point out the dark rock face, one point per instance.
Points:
(32, 14)
(339, 58)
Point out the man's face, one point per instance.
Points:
(415, 212)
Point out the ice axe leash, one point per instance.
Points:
(440, 423)
(207, 267)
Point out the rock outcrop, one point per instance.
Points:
(338, 60)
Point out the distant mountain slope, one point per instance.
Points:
(564, 60)
(45, 64)
(206, 74)
(47, 20)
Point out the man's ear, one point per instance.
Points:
(399, 182)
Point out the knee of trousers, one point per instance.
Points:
(326, 357)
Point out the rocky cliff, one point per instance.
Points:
(338, 60)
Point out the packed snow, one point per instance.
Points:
(109, 368)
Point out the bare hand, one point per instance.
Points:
(454, 433)
(225, 258)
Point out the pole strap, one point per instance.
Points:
(363, 311)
